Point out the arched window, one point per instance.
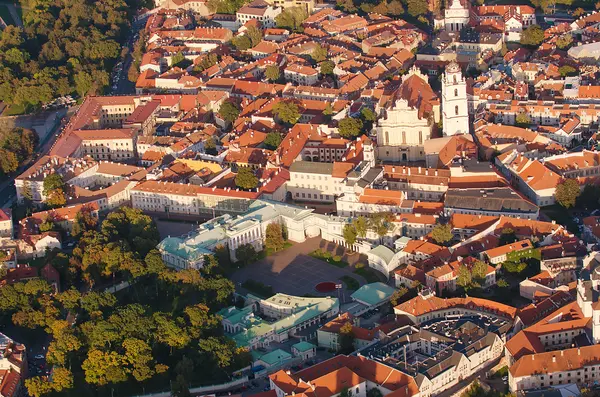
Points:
(454, 78)
(455, 92)
(403, 137)
(387, 138)
(456, 110)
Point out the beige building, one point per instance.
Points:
(313, 181)
(177, 198)
(108, 144)
(407, 120)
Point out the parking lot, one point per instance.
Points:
(294, 272)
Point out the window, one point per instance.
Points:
(456, 110)
(455, 92)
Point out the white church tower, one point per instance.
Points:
(455, 106)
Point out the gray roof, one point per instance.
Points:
(310, 167)
(502, 199)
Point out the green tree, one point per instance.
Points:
(349, 127)
(53, 182)
(102, 368)
(533, 36)
(326, 67)
(255, 35)
(229, 111)
(381, 8)
(291, 18)
(464, 277)
(210, 146)
(567, 70)
(442, 234)
(274, 240)
(522, 119)
(38, 386)
(62, 379)
(361, 224)
(272, 72)
(395, 8)
(56, 198)
(349, 234)
(507, 236)
(397, 296)
(241, 42)
(346, 339)
(287, 111)
(417, 7)
(177, 59)
(246, 254)
(380, 224)
(47, 225)
(84, 83)
(272, 140)
(345, 392)
(564, 41)
(8, 161)
(180, 387)
(479, 270)
(589, 197)
(319, 54)
(328, 111)
(245, 179)
(374, 392)
(566, 192)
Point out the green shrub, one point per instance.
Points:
(337, 258)
(359, 265)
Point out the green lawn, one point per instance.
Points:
(258, 288)
(5, 14)
(369, 274)
(326, 257)
(350, 282)
(15, 110)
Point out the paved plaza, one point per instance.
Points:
(294, 272)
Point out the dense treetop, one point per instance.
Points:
(65, 47)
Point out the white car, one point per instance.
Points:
(39, 357)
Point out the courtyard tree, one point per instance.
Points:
(274, 240)
(349, 234)
(291, 18)
(397, 295)
(246, 254)
(522, 120)
(287, 111)
(326, 67)
(229, 111)
(532, 36)
(346, 339)
(507, 236)
(319, 54)
(350, 127)
(272, 72)
(245, 178)
(464, 277)
(361, 224)
(566, 192)
(417, 7)
(272, 140)
(442, 234)
(564, 41)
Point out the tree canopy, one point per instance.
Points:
(532, 36)
(442, 234)
(350, 127)
(245, 179)
(287, 111)
(229, 111)
(567, 192)
(65, 47)
(291, 18)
